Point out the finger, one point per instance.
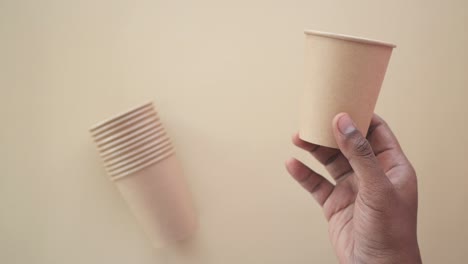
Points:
(307, 146)
(359, 153)
(340, 168)
(323, 154)
(333, 160)
(385, 145)
(314, 183)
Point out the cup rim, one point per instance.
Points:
(119, 115)
(348, 38)
(142, 166)
(147, 160)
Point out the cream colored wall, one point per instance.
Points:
(226, 77)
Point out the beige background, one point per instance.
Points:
(226, 77)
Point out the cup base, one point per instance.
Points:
(317, 141)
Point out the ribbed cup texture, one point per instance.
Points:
(132, 141)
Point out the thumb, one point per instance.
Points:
(360, 155)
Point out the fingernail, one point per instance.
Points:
(345, 124)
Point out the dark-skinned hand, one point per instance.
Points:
(371, 208)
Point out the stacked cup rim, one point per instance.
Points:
(131, 141)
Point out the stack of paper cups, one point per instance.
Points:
(140, 159)
(343, 74)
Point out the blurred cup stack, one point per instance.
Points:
(140, 159)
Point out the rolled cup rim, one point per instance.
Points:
(119, 115)
(349, 38)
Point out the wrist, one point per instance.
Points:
(412, 256)
(407, 255)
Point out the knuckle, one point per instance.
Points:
(412, 171)
(382, 121)
(361, 147)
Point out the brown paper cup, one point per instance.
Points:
(140, 159)
(343, 74)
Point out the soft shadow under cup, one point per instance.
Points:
(140, 159)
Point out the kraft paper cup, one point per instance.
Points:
(139, 158)
(343, 74)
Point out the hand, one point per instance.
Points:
(372, 208)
